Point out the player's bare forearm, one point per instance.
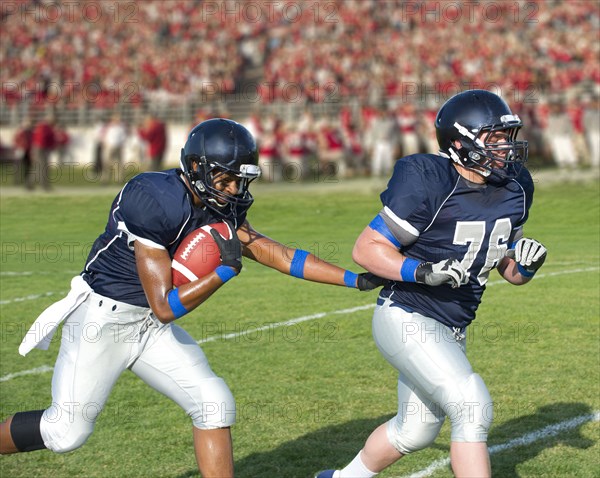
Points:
(273, 254)
(509, 270)
(154, 269)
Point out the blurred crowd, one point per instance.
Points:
(116, 144)
(308, 149)
(384, 49)
(173, 51)
(389, 63)
(368, 143)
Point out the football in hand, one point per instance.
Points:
(198, 254)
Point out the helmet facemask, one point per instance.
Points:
(493, 150)
(203, 174)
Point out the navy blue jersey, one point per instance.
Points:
(438, 215)
(155, 208)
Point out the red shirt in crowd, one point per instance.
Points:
(23, 139)
(155, 134)
(43, 136)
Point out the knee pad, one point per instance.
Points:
(216, 409)
(65, 429)
(472, 415)
(410, 432)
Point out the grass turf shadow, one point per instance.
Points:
(336, 445)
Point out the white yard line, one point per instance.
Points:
(37, 273)
(33, 371)
(285, 323)
(523, 440)
(29, 297)
(319, 315)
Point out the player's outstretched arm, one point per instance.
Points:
(377, 254)
(168, 304)
(300, 263)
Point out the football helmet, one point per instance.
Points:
(218, 146)
(487, 131)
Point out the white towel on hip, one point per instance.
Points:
(41, 332)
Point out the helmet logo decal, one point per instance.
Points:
(250, 171)
(464, 131)
(509, 119)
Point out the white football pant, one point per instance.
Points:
(436, 380)
(104, 337)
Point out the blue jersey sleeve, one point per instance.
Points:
(413, 192)
(141, 215)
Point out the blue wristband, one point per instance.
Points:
(175, 303)
(524, 272)
(350, 278)
(225, 273)
(297, 266)
(407, 271)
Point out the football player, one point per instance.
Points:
(447, 221)
(121, 311)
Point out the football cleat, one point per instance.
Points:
(325, 474)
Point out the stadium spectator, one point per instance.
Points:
(154, 133)
(426, 130)
(269, 158)
(591, 120)
(294, 153)
(575, 112)
(43, 144)
(98, 148)
(560, 136)
(115, 136)
(253, 124)
(406, 117)
(62, 142)
(23, 143)
(331, 149)
(382, 138)
(356, 152)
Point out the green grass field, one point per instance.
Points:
(309, 393)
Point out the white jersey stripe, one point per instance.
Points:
(407, 226)
(443, 202)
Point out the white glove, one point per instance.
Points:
(448, 271)
(529, 254)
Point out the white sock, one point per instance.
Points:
(356, 469)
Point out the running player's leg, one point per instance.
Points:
(90, 359)
(175, 365)
(432, 359)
